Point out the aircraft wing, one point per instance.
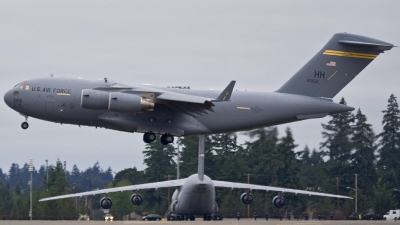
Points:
(187, 103)
(232, 185)
(155, 185)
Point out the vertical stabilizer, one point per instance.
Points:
(332, 68)
(200, 169)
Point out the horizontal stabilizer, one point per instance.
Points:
(227, 92)
(335, 65)
(377, 46)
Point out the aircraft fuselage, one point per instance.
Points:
(195, 197)
(59, 100)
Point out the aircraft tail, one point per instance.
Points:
(332, 68)
(200, 168)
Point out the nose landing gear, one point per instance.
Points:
(25, 124)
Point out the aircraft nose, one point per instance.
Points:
(8, 98)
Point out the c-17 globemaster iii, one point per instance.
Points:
(183, 111)
(195, 195)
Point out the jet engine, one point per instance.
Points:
(123, 102)
(136, 199)
(279, 202)
(94, 99)
(246, 198)
(105, 203)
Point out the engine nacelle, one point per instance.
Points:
(94, 99)
(123, 102)
(279, 202)
(136, 199)
(246, 198)
(105, 203)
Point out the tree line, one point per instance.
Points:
(14, 190)
(349, 149)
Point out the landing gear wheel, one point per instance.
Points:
(207, 217)
(149, 137)
(24, 125)
(166, 139)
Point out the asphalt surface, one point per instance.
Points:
(197, 222)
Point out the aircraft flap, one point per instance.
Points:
(172, 96)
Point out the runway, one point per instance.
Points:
(198, 222)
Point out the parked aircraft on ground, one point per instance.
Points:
(181, 111)
(195, 195)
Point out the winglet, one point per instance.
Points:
(227, 92)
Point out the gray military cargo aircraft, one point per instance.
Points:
(181, 111)
(195, 195)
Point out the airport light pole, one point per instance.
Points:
(177, 160)
(396, 190)
(355, 205)
(47, 175)
(30, 184)
(169, 201)
(248, 205)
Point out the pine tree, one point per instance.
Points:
(13, 174)
(287, 175)
(317, 157)
(58, 185)
(337, 134)
(363, 157)
(305, 159)
(159, 160)
(132, 175)
(262, 161)
(262, 156)
(189, 157)
(3, 177)
(6, 203)
(383, 200)
(389, 141)
(222, 146)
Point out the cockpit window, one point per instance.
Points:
(16, 85)
(25, 87)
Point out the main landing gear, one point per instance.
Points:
(165, 138)
(149, 137)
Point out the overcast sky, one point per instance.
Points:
(202, 44)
